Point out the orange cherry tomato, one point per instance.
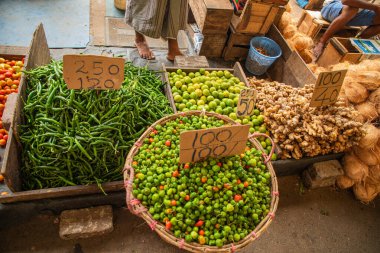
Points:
(3, 142)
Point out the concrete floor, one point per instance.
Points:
(322, 220)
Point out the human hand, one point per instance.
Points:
(317, 50)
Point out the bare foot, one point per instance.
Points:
(144, 50)
(172, 55)
(173, 49)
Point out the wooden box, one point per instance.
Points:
(257, 17)
(290, 68)
(237, 71)
(237, 45)
(212, 16)
(212, 45)
(311, 23)
(339, 50)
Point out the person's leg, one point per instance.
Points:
(337, 24)
(173, 49)
(143, 47)
(370, 31)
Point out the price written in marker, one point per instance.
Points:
(217, 142)
(247, 101)
(327, 88)
(93, 72)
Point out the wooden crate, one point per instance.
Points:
(237, 46)
(339, 50)
(212, 45)
(212, 16)
(237, 71)
(290, 68)
(257, 17)
(311, 23)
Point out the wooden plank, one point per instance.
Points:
(13, 50)
(237, 71)
(211, 16)
(191, 61)
(269, 19)
(11, 163)
(213, 45)
(277, 37)
(97, 22)
(302, 73)
(256, 18)
(68, 191)
(235, 53)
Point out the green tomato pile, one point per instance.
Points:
(215, 91)
(212, 202)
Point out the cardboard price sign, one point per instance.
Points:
(93, 72)
(196, 145)
(327, 88)
(246, 104)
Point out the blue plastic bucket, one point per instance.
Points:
(257, 63)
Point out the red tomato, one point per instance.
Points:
(3, 142)
(1, 124)
(5, 137)
(8, 74)
(187, 166)
(246, 184)
(168, 143)
(2, 106)
(2, 71)
(8, 91)
(16, 82)
(199, 223)
(9, 82)
(204, 179)
(2, 77)
(187, 197)
(237, 197)
(2, 97)
(175, 173)
(12, 63)
(2, 92)
(173, 203)
(201, 232)
(1, 136)
(168, 225)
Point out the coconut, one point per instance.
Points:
(370, 138)
(367, 110)
(371, 65)
(365, 192)
(367, 156)
(289, 31)
(340, 66)
(306, 55)
(369, 79)
(344, 182)
(285, 20)
(355, 92)
(374, 173)
(375, 99)
(302, 42)
(354, 167)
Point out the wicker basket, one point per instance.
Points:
(138, 209)
(120, 4)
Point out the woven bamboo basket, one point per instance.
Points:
(138, 209)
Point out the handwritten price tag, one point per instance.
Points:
(246, 102)
(93, 72)
(327, 88)
(196, 145)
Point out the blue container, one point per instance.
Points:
(256, 63)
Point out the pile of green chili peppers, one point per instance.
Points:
(81, 137)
